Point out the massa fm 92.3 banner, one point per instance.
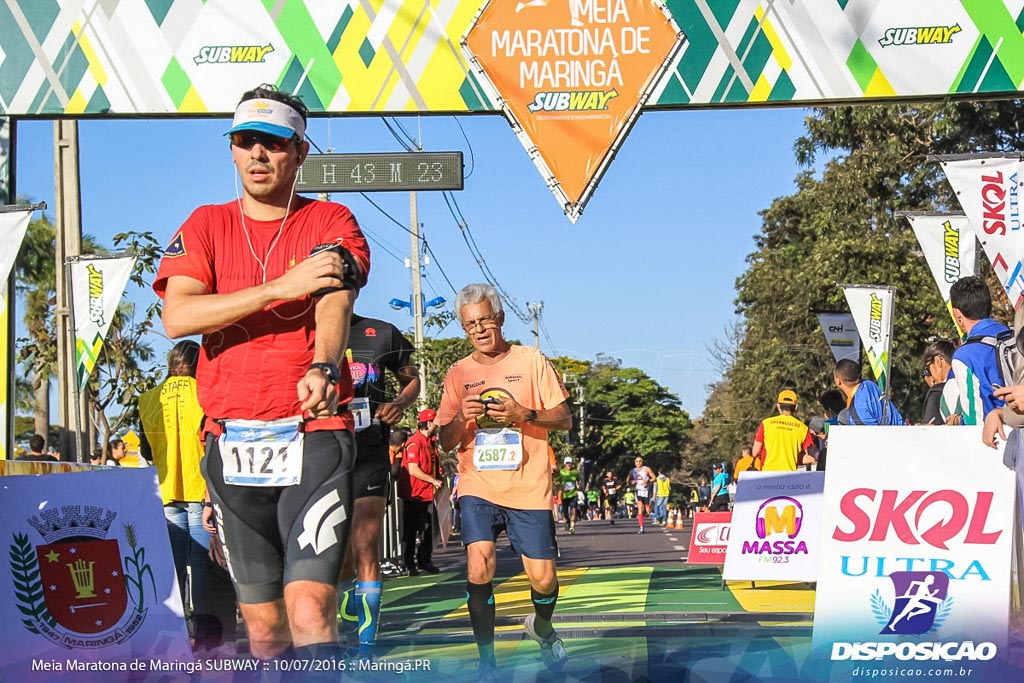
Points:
(601, 60)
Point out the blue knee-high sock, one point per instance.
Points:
(368, 612)
(347, 609)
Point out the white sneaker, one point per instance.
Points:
(552, 652)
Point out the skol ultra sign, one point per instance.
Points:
(572, 77)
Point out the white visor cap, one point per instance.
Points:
(268, 116)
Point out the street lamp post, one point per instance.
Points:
(417, 313)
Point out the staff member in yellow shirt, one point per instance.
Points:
(170, 418)
(782, 439)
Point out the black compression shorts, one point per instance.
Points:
(276, 535)
(372, 473)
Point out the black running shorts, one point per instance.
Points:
(275, 535)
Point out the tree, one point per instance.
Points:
(840, 228)
(629, 414)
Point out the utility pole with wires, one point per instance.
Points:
(535, 309)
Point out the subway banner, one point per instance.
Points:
(776, 527)
(872, 310)
(584, 66)
(14, 222)
(97, 284)
(989, 187)
(915, 559)
(949, 248)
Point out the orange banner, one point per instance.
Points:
(573, 74)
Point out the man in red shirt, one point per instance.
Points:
(269, 280)
(417, 482)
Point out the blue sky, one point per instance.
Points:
(646, 275)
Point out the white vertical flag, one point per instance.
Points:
(840, 332)
(989, 192)
(13, 225)
(96, 288)
(948, 243)
(872, 310)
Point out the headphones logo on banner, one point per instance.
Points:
(922, 603)
(778, 515)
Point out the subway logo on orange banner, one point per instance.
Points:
(580, 100)
(919, 35)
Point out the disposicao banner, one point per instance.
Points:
(573, 77)
(872, 310)
(88, 579)
(914, 580)
(840, 332)
(776, 527)
(13, 226)
(96, 288)
(989, 192)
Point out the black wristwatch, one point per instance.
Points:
(330, 370)
(532, 417)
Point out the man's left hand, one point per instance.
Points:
(390, 413)
(507, 411)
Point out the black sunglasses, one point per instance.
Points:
(246, 139)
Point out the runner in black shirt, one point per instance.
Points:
(610, 488)
(374, 346)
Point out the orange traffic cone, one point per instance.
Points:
(679, 519)
(674, 522)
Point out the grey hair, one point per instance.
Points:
(475, 293)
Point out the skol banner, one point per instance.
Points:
(709, 538)
(12, 231)
(948, 243)
(989, 191)
(88, 578)
(872, 310)
(96, 288)
(775, 533)
(916, 553)
(573, 77)
(840, 332)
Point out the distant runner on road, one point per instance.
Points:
(642, 478)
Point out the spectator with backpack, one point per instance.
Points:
(977, 364)
(865, 404)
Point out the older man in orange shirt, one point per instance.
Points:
(498, 405)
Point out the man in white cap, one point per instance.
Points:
(269, 280)
(569, 485)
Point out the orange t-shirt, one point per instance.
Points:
(529, 378)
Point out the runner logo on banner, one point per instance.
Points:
(948, 243)
(841, 335)
(872, 310)
(988, 188)
(96, 288)
(776, 527)
(915, 570)
(573, 77)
